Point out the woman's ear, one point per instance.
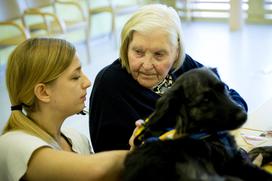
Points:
(41, 92)
(175, 64)
(177, 53)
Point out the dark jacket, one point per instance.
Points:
(117, 101)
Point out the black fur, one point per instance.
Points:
(200, 107)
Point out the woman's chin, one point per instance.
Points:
(79, 110)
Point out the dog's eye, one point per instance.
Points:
(220, 87)
(206, 99)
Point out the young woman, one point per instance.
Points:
(46, 85)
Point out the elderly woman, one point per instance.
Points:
(151, 58)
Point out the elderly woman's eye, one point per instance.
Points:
(159, 54)
(139, 52)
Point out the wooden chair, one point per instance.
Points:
(53, 20)
(122, 8)
(12, 30)
(97, 8)
(41, 15)
(113, 8)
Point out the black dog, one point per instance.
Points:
(202, 149)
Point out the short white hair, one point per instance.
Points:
(147, 19)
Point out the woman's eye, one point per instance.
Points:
(139, 52)
(159, 55)
(75, 77)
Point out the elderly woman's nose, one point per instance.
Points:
(148, 61)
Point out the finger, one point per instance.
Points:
(139, 122)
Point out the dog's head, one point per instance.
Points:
(198, 101)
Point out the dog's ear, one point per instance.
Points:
(168, 107)
(182, 121)
(215, 71)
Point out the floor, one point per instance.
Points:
(243, 59)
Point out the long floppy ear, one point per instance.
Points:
(215, 71)
(165, 115)
(182, 121)
(168, 108)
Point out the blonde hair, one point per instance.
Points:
(147, 19)
(37, 60)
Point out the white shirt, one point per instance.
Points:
(16, 148)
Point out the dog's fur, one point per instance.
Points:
(200, 107)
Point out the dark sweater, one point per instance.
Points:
(117, 101)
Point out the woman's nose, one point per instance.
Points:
(86, 82)
(147, 63)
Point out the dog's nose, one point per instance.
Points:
(241, 115)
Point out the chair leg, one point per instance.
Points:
(88, 39)
(113, 28)
(88, 47)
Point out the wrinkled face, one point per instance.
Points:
(151, 57)
(68, 92)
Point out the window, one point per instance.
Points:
(255, 11)
(268, 9)
(207, 9)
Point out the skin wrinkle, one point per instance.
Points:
(149, 61)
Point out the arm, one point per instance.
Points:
(49, 164)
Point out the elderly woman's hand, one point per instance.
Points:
(138, 124)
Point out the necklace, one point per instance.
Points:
(163, 85)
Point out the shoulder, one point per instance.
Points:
(80, 142)
(16, 148)
(111, 71)
(11, 139)
(112, 79)
(188, 64)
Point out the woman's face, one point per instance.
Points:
(151, 57)
(68, 92)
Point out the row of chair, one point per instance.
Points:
(31, 18)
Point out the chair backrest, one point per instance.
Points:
(97, 4)
(12, 28)
(11, 9)
(39, 3)
(122, 3)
